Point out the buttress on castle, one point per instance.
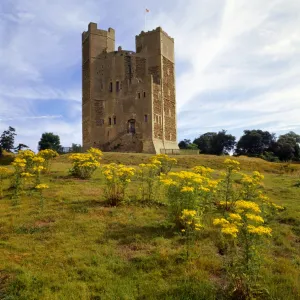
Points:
(128, 98)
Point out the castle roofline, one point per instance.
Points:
(158, 29)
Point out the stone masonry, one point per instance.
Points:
(128, 98)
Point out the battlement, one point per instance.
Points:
(158, 29)
(93, 29)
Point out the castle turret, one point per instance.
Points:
(158, 47)
(94, 43)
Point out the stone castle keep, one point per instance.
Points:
(128, 98)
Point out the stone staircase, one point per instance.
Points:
(125, 142)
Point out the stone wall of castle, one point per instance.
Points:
(169, 100)
(125, 92)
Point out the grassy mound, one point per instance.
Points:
(189, 161)
(80, 248)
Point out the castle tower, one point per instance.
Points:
(158, 48)
(128, 98)
(95, 42)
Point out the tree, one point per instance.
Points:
(204, 142)
(287, 147)
(255, 142)
(49, 141)
(7, 139)
(20, 147)
(187, 144)
(223, 143)
(76, 148)
(215, 143)
(184, 144)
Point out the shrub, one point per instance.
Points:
(148, 177)
(191, 223)
(117, 178)
(28, 155)
(85, 164)
(227, 194)
(165, 162)
(187, 190)
(243, 230)
(19, 165)
(48, 155)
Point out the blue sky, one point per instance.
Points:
(237, 62)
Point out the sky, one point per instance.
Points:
(237, 62)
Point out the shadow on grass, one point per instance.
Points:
(127, 234)
(83, 206)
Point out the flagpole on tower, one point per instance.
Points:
(146, 11)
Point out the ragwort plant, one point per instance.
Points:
(227, 191)
(117, 178)
(187, 190)
(252, 190)
(85, 164)
(27, 172)
(191, 223)
(19, 165)
(166, 162)
(40, 188)
(38, 168)
(28, 155)
(243, 231)
(48, 155)
(147, 175)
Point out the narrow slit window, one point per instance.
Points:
(146, 118)
(139, 95)
(115, 120)
(111, 87)
(109, 121)
(144, 94)
(117, 86)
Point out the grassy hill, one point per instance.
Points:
(78, 247)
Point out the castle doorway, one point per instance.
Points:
(131, 126)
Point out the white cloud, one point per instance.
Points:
(247, 48)
(241, 58)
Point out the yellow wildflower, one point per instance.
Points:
(221, 222)
(168, 182)
(242, 205)
(257, 176)
(232, 164)
(187, 189)
(257, 219)
(38, 159)
(260, 230)
(230, 230)
(26, 174)
(204, 189)
(277, 206)
(235, 217)
(42, 186)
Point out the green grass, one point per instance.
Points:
(80, 248)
